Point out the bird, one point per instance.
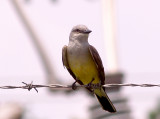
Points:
(85, 65)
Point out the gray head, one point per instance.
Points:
(79, 32)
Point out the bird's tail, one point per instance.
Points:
(104, 100)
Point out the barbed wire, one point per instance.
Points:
(30, 86)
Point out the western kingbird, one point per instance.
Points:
(84, 64)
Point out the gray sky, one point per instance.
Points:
(138, 39)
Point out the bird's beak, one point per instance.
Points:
(87, 31)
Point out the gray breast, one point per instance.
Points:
(78, 50)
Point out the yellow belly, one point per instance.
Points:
(84, 69)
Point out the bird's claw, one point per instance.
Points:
(90, 84)
(74, 87)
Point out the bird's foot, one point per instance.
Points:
(93, 86)
(90, 84)
(74, 87)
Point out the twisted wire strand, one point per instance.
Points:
(30, 86)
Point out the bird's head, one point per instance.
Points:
(79, 32)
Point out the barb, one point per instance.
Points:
(31, 86)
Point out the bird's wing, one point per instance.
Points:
(65, 61)
(66, 64)
(98, 63)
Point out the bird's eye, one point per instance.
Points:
(77, 30)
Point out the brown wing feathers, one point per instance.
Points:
(65, 61)
(98, 63)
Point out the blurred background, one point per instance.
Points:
(32, 34)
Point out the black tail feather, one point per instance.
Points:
(106, 103)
